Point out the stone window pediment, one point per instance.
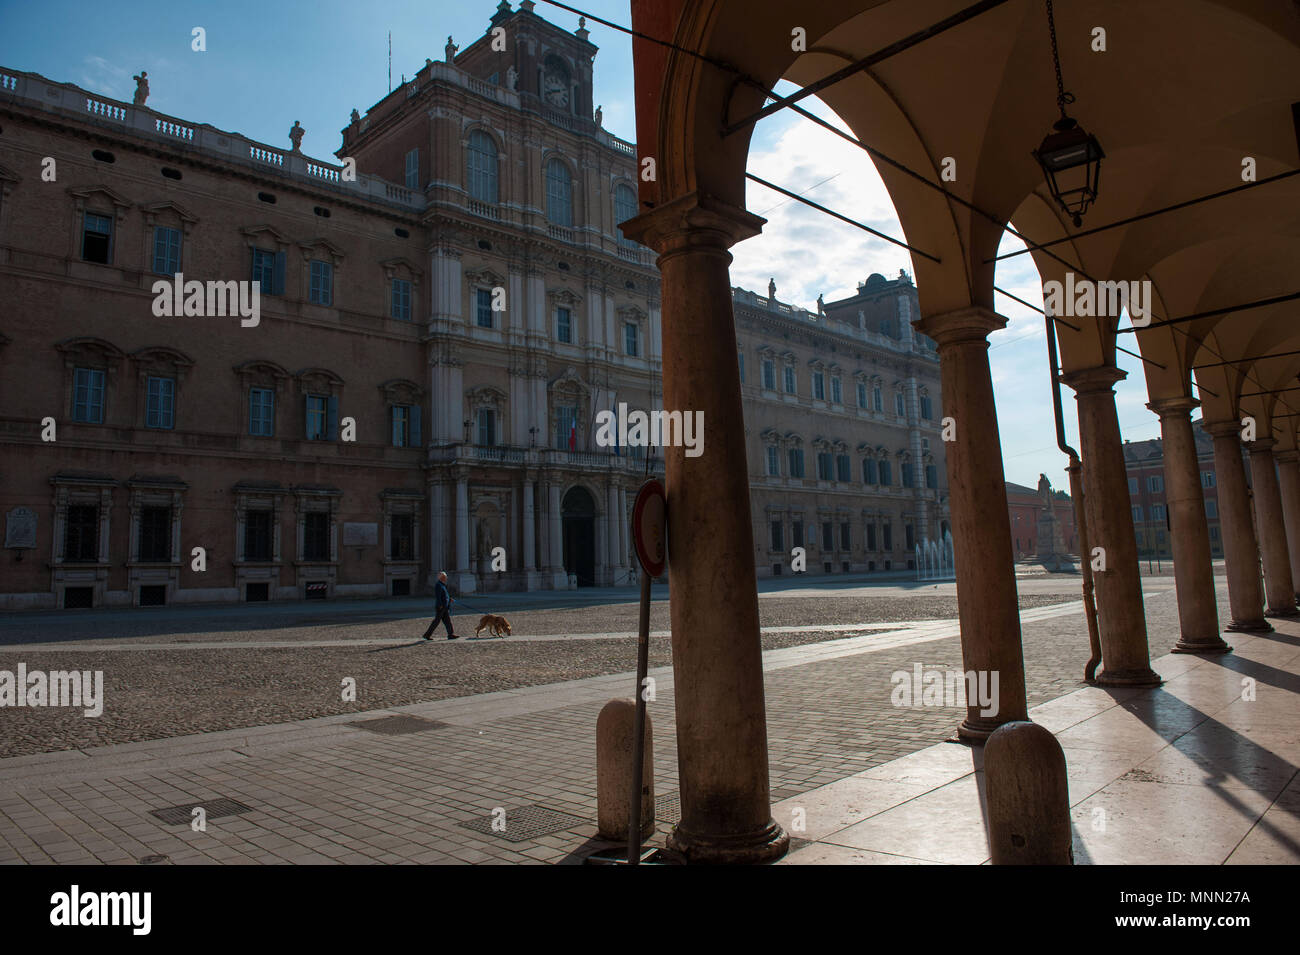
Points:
(401, 391)
(401, 268)
(266, 371)
(318, 380)
(569, 381)
(563, 297)
(323, 249)
(171, 214)
(101, 197)
(93, 351)
(486, 396)
(485, 277)
(631, 313)
(160, 359)
(261, 236)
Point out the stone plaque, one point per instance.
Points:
(360, 535)
(20, 527)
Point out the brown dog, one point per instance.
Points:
(494, 623)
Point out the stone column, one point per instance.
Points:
(717, 657)
(987, 600)
(624, 533)
(1240, 552)
(530, 535)
(615, 562)
(1198, 612)
(601, 574)
(559, 579)
(1278, 586)
(1126, 660)
(1288, 473)
(464, 572)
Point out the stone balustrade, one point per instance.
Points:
(35, 91)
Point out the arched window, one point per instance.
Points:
(624, 209)
(559, 194)
(481, 165)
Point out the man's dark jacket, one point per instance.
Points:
(441, 596)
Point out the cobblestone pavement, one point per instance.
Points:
(183, 681)
(327, 790)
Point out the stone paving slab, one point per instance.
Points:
(322, 790)
(1190, 773)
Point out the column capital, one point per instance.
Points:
(1087, 381)
(1222, 429)
(691, 221)
(1178, 406)
(1261, 445)
(971, 324)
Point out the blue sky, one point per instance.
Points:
(268, 64)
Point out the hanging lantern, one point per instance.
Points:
(1070, 156)
(1071, 160)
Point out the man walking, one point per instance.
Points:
(441, 607)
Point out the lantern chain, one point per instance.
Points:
(1063, 98)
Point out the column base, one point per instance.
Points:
(749, 848)
(1140, 676)
(464, 581)
(1282, 612)
(1213, 644)
(980, 728)
(1250, 626)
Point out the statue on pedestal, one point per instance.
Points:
(141, 88)
(1051, 542)
(449, 51)
(295, 136)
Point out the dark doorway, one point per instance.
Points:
(579, 517)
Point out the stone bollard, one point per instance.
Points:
(614, 735)
(1028, 796)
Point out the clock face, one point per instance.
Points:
(556, 89)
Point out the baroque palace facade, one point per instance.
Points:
(844, 430)
(443, 313)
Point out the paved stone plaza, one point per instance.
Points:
(1216, 773)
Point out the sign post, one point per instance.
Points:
(648, 534)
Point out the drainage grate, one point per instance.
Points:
(399, 725)
(524, 823)
(668, 808)
(182, 815)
